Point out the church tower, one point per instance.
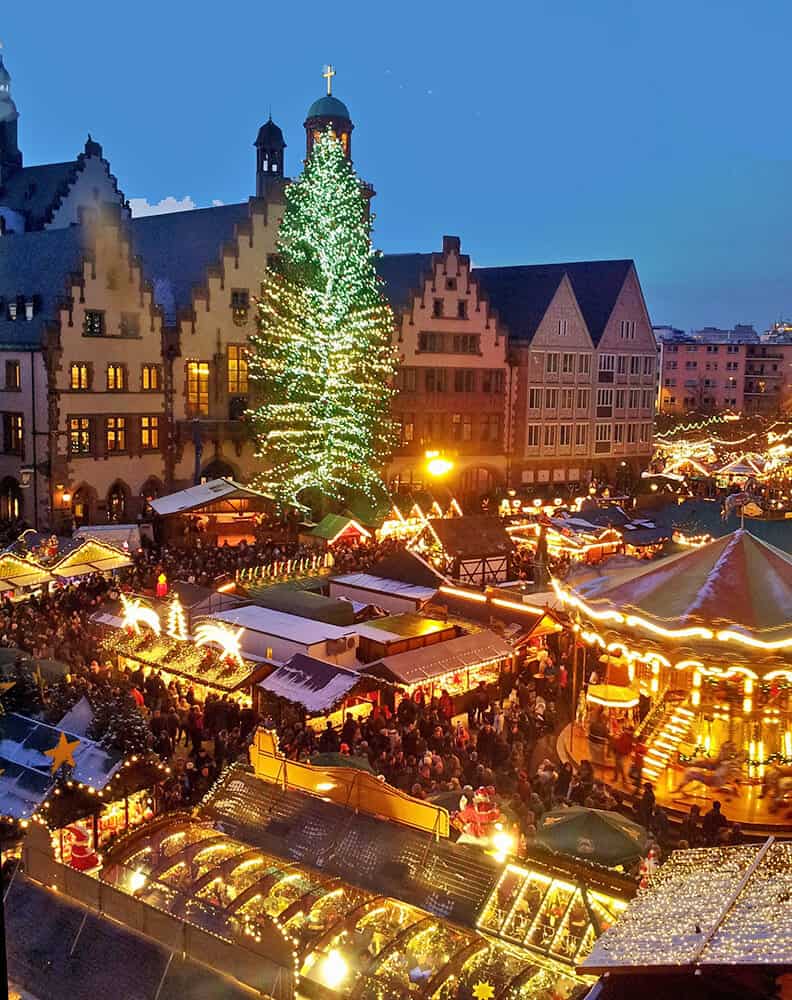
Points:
(329, 112)
(10, 156)
(269, 157)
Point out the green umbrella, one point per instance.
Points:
(340, 760)
(607, 838)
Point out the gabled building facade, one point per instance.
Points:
(123, 366)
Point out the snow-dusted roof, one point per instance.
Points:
(282, 625)
(382, 585)
(315, 684)
(204, 495)
(26, 777)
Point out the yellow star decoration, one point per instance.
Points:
(62, 753)
(483, 991)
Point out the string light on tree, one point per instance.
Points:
(322, 357)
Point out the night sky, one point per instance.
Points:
(534, 131)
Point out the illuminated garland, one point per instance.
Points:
(322, 358)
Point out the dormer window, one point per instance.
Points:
(437, 308)
(28, 309)
(12, 309)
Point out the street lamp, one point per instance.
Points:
(437, 466)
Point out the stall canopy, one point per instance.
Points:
(336, 528)
(598, 835)
(419, 665)
(723, 906)
(90, 556)
(218, 496)
(316, 685)
(26, 769)
(18, 573)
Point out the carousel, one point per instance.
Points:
(694, 658)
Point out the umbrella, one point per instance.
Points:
(341, 760)
(607, 838)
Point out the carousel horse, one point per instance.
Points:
(722, 771)
(777, 784)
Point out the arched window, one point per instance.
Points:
(116, 503)
(217, 469)
(81, 507)
(12, 502)
(151, 489)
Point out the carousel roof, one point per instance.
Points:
(737, 579)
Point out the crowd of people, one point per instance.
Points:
(500, 735)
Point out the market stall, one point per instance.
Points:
(208, 658)
(456, 666)
(319, 690)
(222, 511)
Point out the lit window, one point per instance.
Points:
(13, 375)
(13, 435)
(115, 433)
(198, 387)
(149, 378)
(237, 369)
(149, 432)
(116, 379)
(80, 435)
(80, 376)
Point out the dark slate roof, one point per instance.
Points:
(406, 567)
(176, 249)
(403, 274)
(51, 953)
(472, 536)
(450, 880)
(35, 264)
(34, 191)
(520, 295)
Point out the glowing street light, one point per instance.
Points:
(437, 466)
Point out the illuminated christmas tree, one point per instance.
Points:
(176, 626)
(322, 358)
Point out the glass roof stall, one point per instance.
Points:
(348, 942)
(556, 918)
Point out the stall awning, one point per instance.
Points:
(26, 769)
(316, 685)
(17, 573)
(91, 556)
(419, 665)
(216, 496)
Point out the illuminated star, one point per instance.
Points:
(483, 991)
(62, 753)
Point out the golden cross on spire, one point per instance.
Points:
(328, 74)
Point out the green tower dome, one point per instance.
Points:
(329, 107)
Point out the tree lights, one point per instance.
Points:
(322, 357)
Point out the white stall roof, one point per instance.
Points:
(282, 625)
(382, 585)
(203, 495)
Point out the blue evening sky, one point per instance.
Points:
(536, 131)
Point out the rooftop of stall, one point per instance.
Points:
(26, 777)
(316, 685)
(399, 633)
(277, 636)
(228, 506)
(334, 528)
(419, 666)
(301, 602)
